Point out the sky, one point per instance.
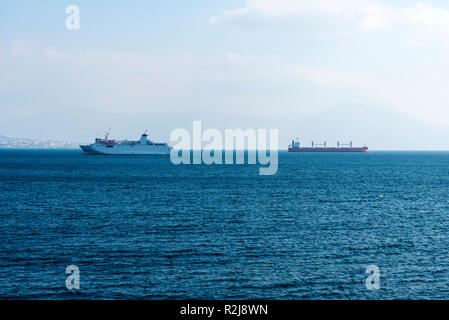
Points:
(374, 72)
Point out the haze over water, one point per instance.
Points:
(141, 227)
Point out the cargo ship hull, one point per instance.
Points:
(363, 149)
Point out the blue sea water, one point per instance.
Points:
(143, 228)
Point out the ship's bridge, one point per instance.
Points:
(143, 139)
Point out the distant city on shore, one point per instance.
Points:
(7, 142)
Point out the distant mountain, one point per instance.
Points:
(7, 142)
(380, 128)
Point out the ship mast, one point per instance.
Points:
(107, 133)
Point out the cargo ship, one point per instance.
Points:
(144, 146)
(341, 147)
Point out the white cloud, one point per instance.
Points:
(323, 77)
(429, 19)
(349, 15)
(230, 83)
(236, 12)
(236, 59)
(21, 48)
(366, 14)
(54, 56)
(214, 19)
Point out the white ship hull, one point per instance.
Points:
(125, 147)
(126, 150)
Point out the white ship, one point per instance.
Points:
(144, 146)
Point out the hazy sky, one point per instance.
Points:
(378, 68)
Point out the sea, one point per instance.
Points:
(140, 227)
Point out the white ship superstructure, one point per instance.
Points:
(144, 146)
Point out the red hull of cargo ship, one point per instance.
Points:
(363, 149)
